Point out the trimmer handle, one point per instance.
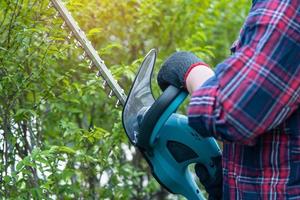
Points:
(154, 113)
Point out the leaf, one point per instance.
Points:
(2, 48)
(19, 166)
(6, 179)
(24, 114)
(94, 31)
(65, 149)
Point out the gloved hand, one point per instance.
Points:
(175, 68)
(213, 186)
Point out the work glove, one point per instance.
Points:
(213, 185)
(175, 68)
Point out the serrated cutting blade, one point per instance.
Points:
(91, 53)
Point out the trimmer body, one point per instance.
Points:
(164, 137)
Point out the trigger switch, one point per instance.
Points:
(180, 152)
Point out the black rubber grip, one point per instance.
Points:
(153, 115)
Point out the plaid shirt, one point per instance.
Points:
(252, 105)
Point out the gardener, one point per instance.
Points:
(251, 103)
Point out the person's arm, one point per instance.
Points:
(197, 76)
(258, 87)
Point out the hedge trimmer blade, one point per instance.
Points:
(89, 51)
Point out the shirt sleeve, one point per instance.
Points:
(258, 87)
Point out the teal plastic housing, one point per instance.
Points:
(174, 175)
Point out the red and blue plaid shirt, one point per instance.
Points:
(252, 104)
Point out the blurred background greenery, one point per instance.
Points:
(60, 135)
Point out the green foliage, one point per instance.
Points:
(60, 136)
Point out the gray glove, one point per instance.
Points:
(174, 68)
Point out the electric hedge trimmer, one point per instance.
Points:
(152, 125)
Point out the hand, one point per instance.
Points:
(213, 185)
(174, 69)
